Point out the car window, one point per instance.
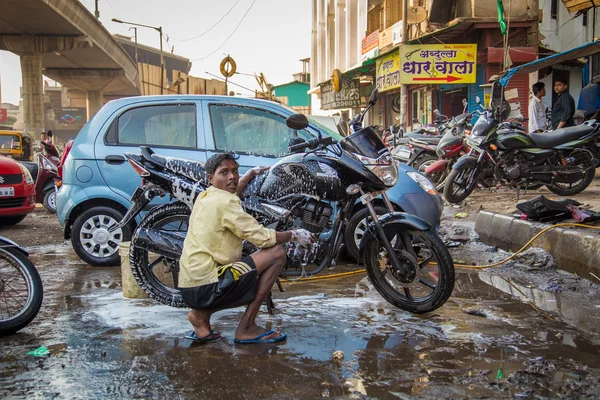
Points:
(251, 131)
(10, 142)
(160, 125)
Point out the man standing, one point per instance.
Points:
(537, 115)
(213, 275)
(562, 113)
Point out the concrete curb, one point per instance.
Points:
(576, 250)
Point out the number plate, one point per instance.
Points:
(7, 192)
(403, 154)
(368, 197)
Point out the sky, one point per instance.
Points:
(272, 37)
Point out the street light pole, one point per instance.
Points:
(136, 48)
(160, 32)
(404, 40)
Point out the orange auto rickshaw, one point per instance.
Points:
(17, 145)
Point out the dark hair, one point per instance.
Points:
(537, 87)
(213, 162)
(49, 133)
(561, 80)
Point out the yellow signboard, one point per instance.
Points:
(388, 72)
(438, 64)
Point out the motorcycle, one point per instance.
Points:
(562, 160)
(315, 188)
(45, 191)
(21, 289)
(449, 149)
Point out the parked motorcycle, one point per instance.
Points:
(21, 289)
(45, 190)
(562, 160)
(449, 149)
(314, 188)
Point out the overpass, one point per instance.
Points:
(64, 41)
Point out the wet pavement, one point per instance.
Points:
(496, 337)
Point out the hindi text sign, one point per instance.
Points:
(438, 64)
(347, 97)
(388, 72)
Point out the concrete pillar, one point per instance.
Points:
(340, 35)
(363, 6)
(314, 47)
(94, 101)
(322, 40)
(33, 94)
(331, 43)
(352, 55)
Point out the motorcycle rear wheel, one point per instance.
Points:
(436, 280)
(567, 189)
(460, 184)
(21, 291)
(146, 266)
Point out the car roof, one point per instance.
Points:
(124, 101)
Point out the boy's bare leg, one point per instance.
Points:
(269, 263)
(200, 320)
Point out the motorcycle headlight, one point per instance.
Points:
(28, 178)
(475, 141)
(384, 168)
(425, 183)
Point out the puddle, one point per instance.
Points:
(485, 342)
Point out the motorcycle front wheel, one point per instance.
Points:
(158, 275)
(461, 183)
(431, 270)
(21, 291)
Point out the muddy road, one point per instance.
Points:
(504, 333)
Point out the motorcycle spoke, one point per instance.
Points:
(424, 263)
(175, 274)
(156, 262)
(425, 283)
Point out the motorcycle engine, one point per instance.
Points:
(315, 215)
(513, 163)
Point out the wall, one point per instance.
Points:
(565, 32)
(489, 8)
(296, 92)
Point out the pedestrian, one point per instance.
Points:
(43, 138)
(564, 108)
(537, 115)
(343, 124)
(213, 275)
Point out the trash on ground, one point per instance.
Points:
(475, 312)
(544, 210)
(535, 257)
(461, 215)
(338, 355)
(39, 352)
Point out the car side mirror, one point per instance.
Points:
(297, 122)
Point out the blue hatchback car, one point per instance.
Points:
(98, 182)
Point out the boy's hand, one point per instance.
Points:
(302, 237)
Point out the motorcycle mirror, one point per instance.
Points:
(464, 102)
(373, 98)
(297, 122)
(436, 112)
(477, 100)
(520, 118)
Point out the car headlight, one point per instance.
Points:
(28, 178)
(385, 168)
(425, 183)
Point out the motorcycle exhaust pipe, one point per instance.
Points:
(163, 243)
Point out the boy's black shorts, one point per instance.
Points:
(236, 287)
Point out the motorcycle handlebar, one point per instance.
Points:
(312, 144)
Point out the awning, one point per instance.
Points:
(580, 5)
(577, 52)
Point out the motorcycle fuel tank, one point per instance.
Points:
(483, 126)
(508, 139)
(295, 175)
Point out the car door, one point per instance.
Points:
(258, 135)
(170, 128)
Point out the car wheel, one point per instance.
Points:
(50, 200)
(356, 228)
(91, 237)
(12, 220)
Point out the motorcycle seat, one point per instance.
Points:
(191, 169)
(550, 139)
(427, 139)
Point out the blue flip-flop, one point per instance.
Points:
(258, 339)
(191, 335)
